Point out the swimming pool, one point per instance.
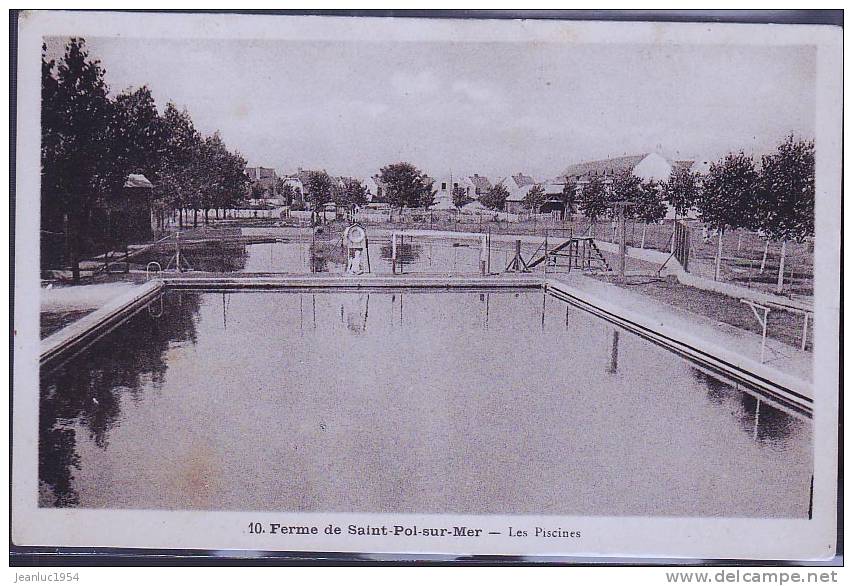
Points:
(406, 401)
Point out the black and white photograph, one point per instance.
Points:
(458, 286)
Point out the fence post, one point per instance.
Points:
(489, 257)
(394, 252)
(178, 251)
(781, 280)
(720, 233)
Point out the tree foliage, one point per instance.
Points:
(682, 190)
(319, 188)
(786, 192)
(495, 197)
(569, 196)
(353, 192)
(534, 198)
(286, 191)
(649, 206)
(729, 193)
(593, 199)
(92, 141)
(407, 186)
(460, 197)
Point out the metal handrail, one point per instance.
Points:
(148, 267)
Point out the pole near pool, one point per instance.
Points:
(483, 254)
(489, 257)
(178, 251)
(394, 252)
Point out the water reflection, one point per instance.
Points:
(372, 401)
(756, 417)
(354, 312)
(88, 400)
(408, 252)
(613, 366)
(211, 256)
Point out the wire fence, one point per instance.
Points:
(746, 258)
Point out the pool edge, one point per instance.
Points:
(790, 391)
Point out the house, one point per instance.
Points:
(481, 184)
(647, 166)
(521, 180)
(296, 184)
(518, 186)
(444, 186)
(374, 187)
(263, 176)
(516, 198)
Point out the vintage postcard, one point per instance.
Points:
(453, 287)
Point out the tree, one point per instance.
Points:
(257, 191)
(83, 160)
(728, 197)
(682, 190)
(179, 178)
(495, 197)
(535, 198)
(288, 192)
(226, 179)
(649, 207)
(353, 192)
(319, 189)
(625, 186)
(786, 195)
(593, 201)
(569, 196)
(141, 132)
(460, 197)
(406, 186)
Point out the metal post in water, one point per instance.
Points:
(483, 254)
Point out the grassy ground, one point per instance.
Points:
(782, 326)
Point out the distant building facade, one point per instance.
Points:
(647, 166)
(263, 176)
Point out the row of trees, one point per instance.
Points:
(91, 142)
(774, 196)
(321, 188)
(403, 185)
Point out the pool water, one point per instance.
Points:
(403, 401)
(415, 255)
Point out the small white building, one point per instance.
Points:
(444, 186)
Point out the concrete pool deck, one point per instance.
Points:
(94, 325)
(736, 353)
(344, 281)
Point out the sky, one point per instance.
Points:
(471, 107)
